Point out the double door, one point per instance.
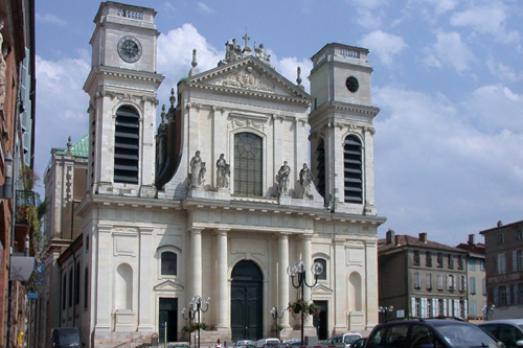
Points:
(168, 318)
(246, 310)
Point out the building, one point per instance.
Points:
(419, 278)
(504, 261)
(477, 285)
(247, 174)
(17, 200)
(65, 180)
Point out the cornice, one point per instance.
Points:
(122, 73)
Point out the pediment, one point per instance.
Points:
(322, 288)
(249, 76)
(167, 285)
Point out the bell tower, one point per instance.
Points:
(342, 128)
(122, 86)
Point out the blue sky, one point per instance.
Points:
(448, 77)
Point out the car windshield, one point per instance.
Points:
(350, 339)
(465, 336)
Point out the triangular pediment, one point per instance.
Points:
(322, 288)
(249, 76)
(167, 285)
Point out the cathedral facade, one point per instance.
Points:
(246, 175)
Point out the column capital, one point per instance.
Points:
(306, 237)
(221, 231)
(196, 230)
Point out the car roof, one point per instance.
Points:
(430, 322)
(504, 321)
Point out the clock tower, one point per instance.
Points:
(342, 128)
(122, 86)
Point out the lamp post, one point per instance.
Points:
(189, 315)
(299, 281)
(385, 310)
(277, 314)
(199, 305)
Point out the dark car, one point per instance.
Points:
(359, 343)
(430, 333)
(509, 331)
(66, 337)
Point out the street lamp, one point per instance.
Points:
(385, 310)
(277, 314)
(299, 281)
(189, 315)
(199, 305)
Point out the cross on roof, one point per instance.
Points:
(246, 39)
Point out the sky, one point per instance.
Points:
(448, 78)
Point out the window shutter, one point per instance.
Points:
(413, 307)
(434, 307)
(514, 261)
(465, 308)
(445, 307)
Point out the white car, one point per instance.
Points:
(345, 340)
(267, 342)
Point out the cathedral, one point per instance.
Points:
(246, 178)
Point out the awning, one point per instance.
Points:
(21, 267)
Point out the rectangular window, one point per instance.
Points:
(450, 261)
(473, 309)
(428, 259)
(502, 264)
(519, 235)
(77, 284)
(450, 282)
(472, 265)
(416, 280)
(501, 238)
(462, 283)
(429, 281)
(460, 262)
(440, 281)
(440, 260)
(416, 258)
(519, 260)
(502, 293)
(484, 287)
(472, 285)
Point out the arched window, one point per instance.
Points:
(320, 167)
(248, 167)
(169, 263)
(323, 262)
(126, 145)
(352, 165)
(355, 298)
(124, 287)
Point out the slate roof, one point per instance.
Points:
(410, 241)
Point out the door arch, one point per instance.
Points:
(246, 301)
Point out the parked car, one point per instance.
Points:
(65, 337)
(359, 343)
(178, 345)
(509, 331)
(293, 342)
(429, 333)
(267, 342)
(346, 340)
(245, 344)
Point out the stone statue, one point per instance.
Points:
(306, 181)
(223, 171)
(196, 166)
(2, 69)
(201, 175)
(282, 178)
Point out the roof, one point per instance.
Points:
(410, 241)
(79, 149)
(497, 228)
(477, 248)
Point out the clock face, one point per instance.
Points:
(129, 49)
(352, 84)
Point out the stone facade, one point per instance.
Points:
(504, 261)
(175, 208)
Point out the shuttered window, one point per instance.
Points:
(126, 145)
(320, 167)
(353, 173)
(248, 148)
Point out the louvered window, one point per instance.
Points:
(352, 164)
(126, 149)
(320, 167)
(248, 168)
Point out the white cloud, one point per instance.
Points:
(61, 105)
(287, 66)
(438, 7)
(437, 171)
(503, 72)
(370, 13)
(449, 50)
(489, 18)
(385, 45)
(204, 8)
(49, 18)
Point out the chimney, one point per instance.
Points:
(471, 239)
(423, 237)
(390, 236)
(396, 240)
(500, 223)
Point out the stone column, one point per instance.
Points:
(307, 262)
(196, 261)
(283, 278)
(221, 281)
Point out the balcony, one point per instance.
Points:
(26, 223)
